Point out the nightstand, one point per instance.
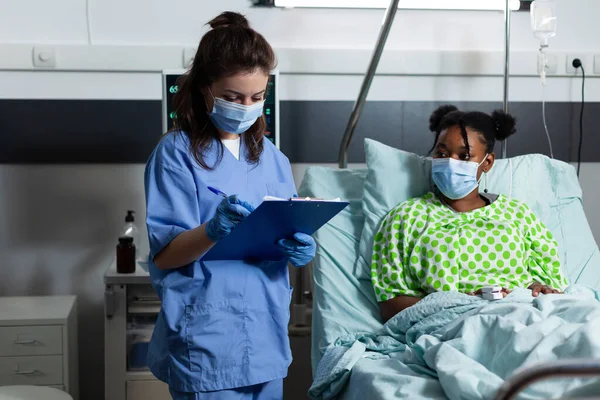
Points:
(38, 342)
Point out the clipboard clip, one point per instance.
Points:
(301, 199)
(306, 199)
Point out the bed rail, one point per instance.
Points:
(366, 85)
(565, 368)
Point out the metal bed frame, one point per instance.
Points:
(518, 383)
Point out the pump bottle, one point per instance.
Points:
(131, 230)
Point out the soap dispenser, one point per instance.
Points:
(131, 230)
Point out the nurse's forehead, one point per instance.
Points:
(245, 83)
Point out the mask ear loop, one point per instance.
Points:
(214, 100)
(485, 186)
(484, 174)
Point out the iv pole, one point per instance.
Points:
(366, 85)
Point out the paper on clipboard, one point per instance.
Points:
(272, 198)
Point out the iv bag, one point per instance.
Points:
(543, 20)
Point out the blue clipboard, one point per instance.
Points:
(255, 237)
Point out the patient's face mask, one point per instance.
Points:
(455, 178)
(233, 117)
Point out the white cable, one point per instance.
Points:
(88, 19)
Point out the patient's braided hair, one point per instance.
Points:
(497, 126)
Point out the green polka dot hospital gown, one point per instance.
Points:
(424, 246)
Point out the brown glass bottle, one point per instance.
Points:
(125, 255)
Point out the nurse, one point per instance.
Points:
(222, 329)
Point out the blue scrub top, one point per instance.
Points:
(223, 324)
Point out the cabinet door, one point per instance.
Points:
(147, 390)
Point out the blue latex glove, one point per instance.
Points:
(300, 250)
(229, 213)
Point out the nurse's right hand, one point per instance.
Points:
(229, 213)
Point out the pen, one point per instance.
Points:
(216, 191)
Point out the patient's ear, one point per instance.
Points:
(489, 162)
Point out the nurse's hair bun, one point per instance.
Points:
(438, 115)
(229, 18)
(505, 124)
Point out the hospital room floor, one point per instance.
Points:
(296, 385)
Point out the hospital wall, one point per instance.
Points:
(73, 142)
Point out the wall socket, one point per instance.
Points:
(597, 64)
(585, 60)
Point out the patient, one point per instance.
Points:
(457, 239)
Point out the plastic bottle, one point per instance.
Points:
(543, 20)
(131, 230)
(125, 255)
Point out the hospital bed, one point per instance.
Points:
(344, 302)
(343, 299)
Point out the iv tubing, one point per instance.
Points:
(544, 62)
(545, 124)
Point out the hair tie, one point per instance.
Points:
(497, 126)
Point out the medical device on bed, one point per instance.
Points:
(543, 24)
(492, 293)
(271, 111)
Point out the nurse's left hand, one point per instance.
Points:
(300, 250)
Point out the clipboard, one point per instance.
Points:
(255, 238)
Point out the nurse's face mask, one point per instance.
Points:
(455, 178)
(233, 117)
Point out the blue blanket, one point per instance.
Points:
(455, 346)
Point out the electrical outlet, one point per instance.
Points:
(551, 64)
(44, 57)
(585, 60)
(597, 64)
(188, 56)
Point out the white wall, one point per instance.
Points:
(59, 223)
(181, 22)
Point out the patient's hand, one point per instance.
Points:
(537, 288)
(505, 292)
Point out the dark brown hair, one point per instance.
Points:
(229, 48)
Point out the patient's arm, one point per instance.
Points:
(543, 263)
(393, 306)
